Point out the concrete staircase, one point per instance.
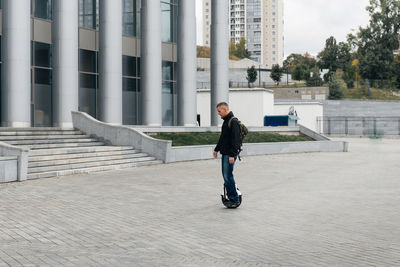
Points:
(56, 152)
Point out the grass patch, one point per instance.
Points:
(376, 94)
(209, 138)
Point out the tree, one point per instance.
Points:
(328, 56)
(376, 43)
(315, 78)
(238, 51)
(336, 86)
(335, 56)
(299, 66)
(251, 75)
(276, 73)
(203, 51)
(397, 72)
(241, 51)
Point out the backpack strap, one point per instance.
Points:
(229, 125)
(230, 121)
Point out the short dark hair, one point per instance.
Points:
(222, 104)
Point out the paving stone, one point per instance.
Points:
(307, 209)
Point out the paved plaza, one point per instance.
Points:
(312, 209)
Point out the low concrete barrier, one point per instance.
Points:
(187, 153)
(13, 154)
(121, 135)
(8, 169)
(163, 150)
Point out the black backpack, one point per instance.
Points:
(243, 132)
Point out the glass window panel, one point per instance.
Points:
(166, 22)
(88, 93)
(129, 17)
(42, 57)
(175, 24)
(42, 76)
(138, 7)
(129, 104)
(0, 95)
(43, 9)
(129, 66)
(138, 67)
(87, 60)
(167, 71)
(42, 98)
(167, 104)
(88, 14)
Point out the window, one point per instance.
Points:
(41, 95)
(169, 95)
(169, 21)
(42, 9)
(88, 14)
(88, 82)
(130, 90)
(130, 17)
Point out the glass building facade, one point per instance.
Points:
(41, 86)
(42, 61)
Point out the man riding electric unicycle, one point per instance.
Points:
(229, 145)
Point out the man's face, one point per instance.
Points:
(222, 111)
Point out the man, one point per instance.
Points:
(228, 145)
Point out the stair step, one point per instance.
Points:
(49, 163)
(39, 133)
(41, 137)
(52, 141)
(76, 150)
(82, 155)
(88, 164)
(90, 170)
(47, 146)
(6, 129)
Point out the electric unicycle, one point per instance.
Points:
(228, 203)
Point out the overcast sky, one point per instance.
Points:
(308, 23)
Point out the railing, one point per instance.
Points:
(358, 126)
(207, 85)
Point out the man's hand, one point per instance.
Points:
(231, 160)
(215, 154)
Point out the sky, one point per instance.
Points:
(308, 23)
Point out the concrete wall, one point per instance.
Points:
(305, 93)
(188, 153)
(121, 135)
(308, 112)
(8, 169)
(249, 105)
(237, 78)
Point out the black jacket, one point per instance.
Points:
(229, 141)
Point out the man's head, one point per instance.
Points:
(223, 109)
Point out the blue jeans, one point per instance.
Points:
(229, 181)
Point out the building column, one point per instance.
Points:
(65, 62)
(110, 61)
(219, 57)
(16, 66)
(151, 59)
(187, 65)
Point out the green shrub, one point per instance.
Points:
(209, 138)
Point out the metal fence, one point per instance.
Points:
(207, 85)
(359, 126)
